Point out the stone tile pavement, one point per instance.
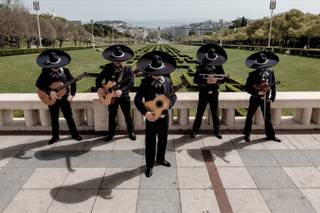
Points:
(96, 176)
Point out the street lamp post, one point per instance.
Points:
(272, 7)
(36, 7)
(221, 30)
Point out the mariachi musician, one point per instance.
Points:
(116, 71)
(53, 70)
(261, 84)
(155, 65)
(209, 76)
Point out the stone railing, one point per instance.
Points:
(91, 115)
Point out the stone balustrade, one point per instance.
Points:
(91, 115)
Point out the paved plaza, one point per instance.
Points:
(207, 175)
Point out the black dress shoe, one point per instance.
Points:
(163, 163)
(274, 139)
(77, 137)
(148, 172)
(109, 137)
(132, 136)
(194, 133)
(218, 135)
(247, 138)
(53, 140)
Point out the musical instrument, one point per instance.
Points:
(106, 92)
(161, 102)
(60, 88)
(216, 76)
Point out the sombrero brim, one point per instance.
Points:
(108, 53)
(42, 59)
(144, 63)
(251, 61)
(221, 54)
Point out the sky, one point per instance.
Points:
(168, 12)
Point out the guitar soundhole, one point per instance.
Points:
(159, 104)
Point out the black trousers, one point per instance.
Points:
(65, 107)
(204, 99)
(125, 105)
(254, 103)
(160, 128)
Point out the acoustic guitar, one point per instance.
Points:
(60, 88)
(106, 92)
(161, 102)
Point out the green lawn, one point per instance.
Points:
(19, 73)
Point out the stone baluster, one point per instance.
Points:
(228, 117)
(90, 117)
(183, 117)
(276, 116)
(44, 117)
(29, 117)
(316, 115)
(258, 117)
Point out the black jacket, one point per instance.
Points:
(256, 77)
(47, 77)
(112, 73)
(147, 92)
(208, 69)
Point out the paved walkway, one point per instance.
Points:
(95, 176)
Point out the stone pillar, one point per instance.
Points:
(29, 117)
(228, 116)
(276, 116)
(316, 115)
(90, 117)
(306, 115)
(121, 120)
(6, 116)
(183, 117)
(137, 119)
(100, 114)
(44, 117)
(77, 116)
(258, 118)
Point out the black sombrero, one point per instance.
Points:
(53, 58)
(212, 53)
(156, 63)
(262, 59)
(118, 53)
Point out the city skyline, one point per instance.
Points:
(169, 12)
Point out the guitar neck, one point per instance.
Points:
(70, 82)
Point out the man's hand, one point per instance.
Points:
(53, 95)
(262, 92)
(212, 80)
(70, 98)
(118, 93)
(150, 116)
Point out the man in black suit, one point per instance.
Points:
(155, 65)
(117, 72)
(52, 63)
(209, 76)
(261, 84)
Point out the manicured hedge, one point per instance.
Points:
(9, 52)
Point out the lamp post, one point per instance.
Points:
(36, 7)
(221, 30)
(272, 7)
